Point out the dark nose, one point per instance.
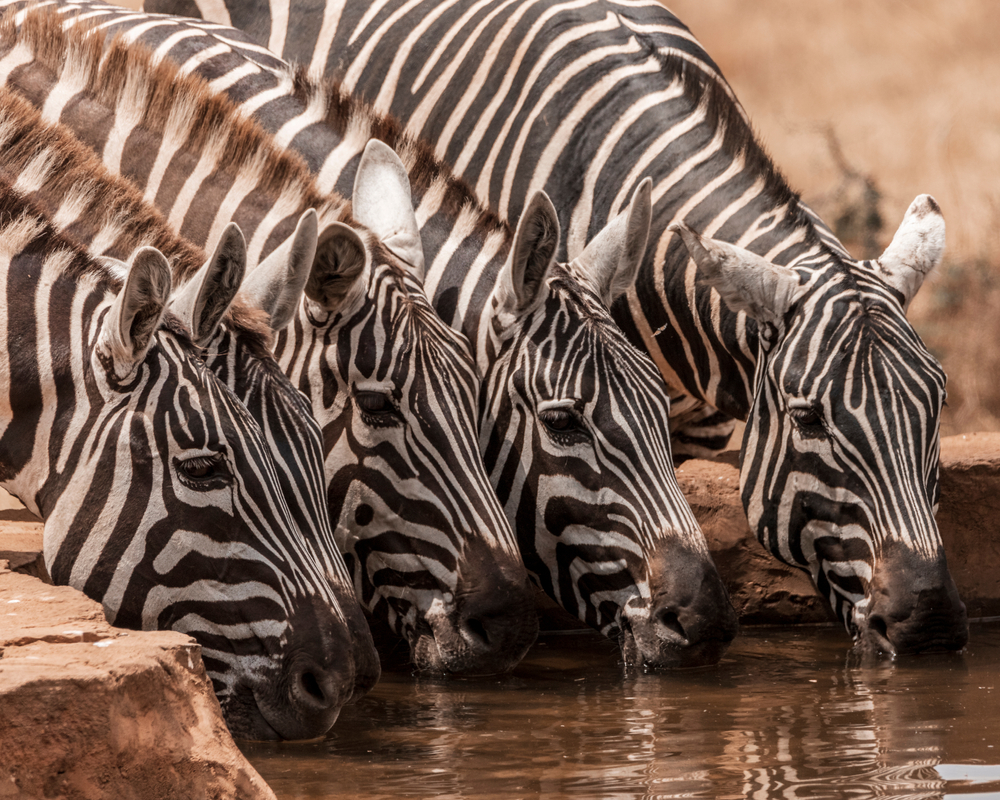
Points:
(316, 694)
(914, 606)
(691, 619)
(317, 674)
(498, 624)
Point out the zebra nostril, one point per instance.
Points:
(475, 630)
(310, 686)
(313, 691)
(668, 620)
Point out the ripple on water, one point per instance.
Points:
(786, 714)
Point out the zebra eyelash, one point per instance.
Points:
(204, 473)
(564, 425)
(809, 419)
(377, 409)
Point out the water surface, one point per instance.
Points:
(787, 714)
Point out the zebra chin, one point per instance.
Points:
(657, 645)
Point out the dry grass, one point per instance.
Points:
(907, 90)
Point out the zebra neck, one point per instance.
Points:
(53, 406)
(329, 129)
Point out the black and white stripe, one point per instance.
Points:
(66, 181)
(157, 488)
(587, 99)
(574, 433)
(395, 391)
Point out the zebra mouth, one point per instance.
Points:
(424, 652)
(642, 648)
(244, 717)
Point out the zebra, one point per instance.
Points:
(585, 99)
(575, 433)
(62, 178)
(431, 556)
(156, 486)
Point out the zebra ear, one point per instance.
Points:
(915, 250)
(340, 259)
(532, 253)
(208, 295)
(128, 329)
(277, 283)
(613, 257)
(382, 203)
(747, 282)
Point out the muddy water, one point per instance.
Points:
(786, 715)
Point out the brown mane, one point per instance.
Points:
(425, 169)
(120, 71)
(109, 203)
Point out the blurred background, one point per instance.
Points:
(864, 105)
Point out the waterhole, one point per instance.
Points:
(787, 714)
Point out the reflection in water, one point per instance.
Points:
(785, 715)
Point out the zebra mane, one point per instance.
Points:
(341, 109)
(123, 74)
(22, 223)
(723, 113)
(52, 162)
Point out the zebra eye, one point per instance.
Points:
(808, 418)
(563, 424)
(203, 472)
(376, 408)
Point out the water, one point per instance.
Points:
(787, 714)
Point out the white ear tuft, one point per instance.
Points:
(915, 250)
(613, 257)
(277, 282)
(382, 203)
(205, 298)
(747, 282)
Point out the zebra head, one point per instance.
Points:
(238, 353)
(156, 486)
(396, 394)
(576, 440)
(840, 467)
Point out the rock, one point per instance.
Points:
(21, 540)
(91, 711)
(764, 590)
(969, 518)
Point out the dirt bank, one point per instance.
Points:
(89, 711)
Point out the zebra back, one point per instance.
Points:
(574, 427)
(395, 391)
(585, 100)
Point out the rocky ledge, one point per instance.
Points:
(91, 711)
(765, 591)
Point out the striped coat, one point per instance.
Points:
(429, 549)
(576, 419)
(585, 99)
(157, 488)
